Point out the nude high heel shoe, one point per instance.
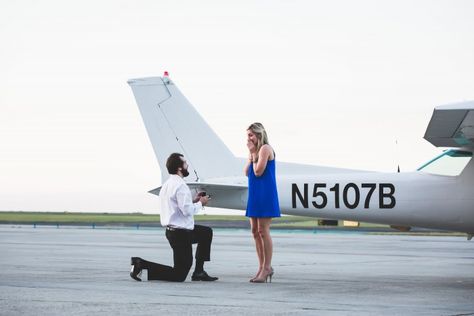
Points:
(270, 275)
(265, 278)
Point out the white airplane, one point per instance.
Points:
(439, 195)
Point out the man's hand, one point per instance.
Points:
(198, 196)
(204, 199)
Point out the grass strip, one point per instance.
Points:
(70, 217)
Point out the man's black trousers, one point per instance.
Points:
(181, 241)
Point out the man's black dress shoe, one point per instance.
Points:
(136, 271)
(202, 276)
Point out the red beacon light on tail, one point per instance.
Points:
(166, 77)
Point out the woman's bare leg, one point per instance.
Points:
(258, 243)
(264, 232)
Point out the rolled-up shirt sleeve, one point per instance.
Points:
(185, 201)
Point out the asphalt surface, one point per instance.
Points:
(84, 271)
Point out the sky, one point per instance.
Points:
(337, 83)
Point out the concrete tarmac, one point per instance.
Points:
(84, 271)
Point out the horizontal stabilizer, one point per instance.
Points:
(207, 187)
(452, 126)
(233, 196)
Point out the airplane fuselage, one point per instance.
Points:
(400, 199)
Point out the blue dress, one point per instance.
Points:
(263, 195)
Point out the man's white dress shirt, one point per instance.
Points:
(177, 207)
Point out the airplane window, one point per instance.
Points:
(450, 163)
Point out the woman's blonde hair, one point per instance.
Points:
(259, 131)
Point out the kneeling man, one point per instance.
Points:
(177, 215)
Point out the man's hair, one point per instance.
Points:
(174, 162)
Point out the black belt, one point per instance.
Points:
(172, 229)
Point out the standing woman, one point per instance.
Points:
(262, 204)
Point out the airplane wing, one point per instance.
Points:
(452, 126)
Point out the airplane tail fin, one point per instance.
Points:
(173, 125)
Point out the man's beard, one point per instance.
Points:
(185, 172)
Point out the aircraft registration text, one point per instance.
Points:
(351, 194)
